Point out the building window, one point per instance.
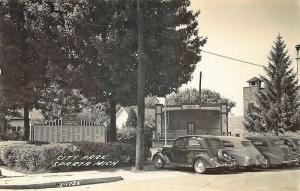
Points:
(250, 107)
(191, 128)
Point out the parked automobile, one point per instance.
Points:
(274, 150)
(294, 144)
(243, 151)
(201, 152)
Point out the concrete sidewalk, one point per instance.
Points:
(16, 180)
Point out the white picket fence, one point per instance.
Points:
(67, 131)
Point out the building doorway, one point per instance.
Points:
(191, 128)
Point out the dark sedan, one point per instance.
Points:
(274, 150)
(201, 152)
(294, 144)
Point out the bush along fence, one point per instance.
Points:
(26, 157)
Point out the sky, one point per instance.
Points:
(246, 30)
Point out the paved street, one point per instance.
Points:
(187, 180)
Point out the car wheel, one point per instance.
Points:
(199, 166)
(266, 163)
(158, 162)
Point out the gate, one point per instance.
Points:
(65, 130)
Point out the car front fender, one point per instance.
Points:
(164, 157)
(274, 159)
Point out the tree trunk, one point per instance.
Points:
(112, 132)
(26, 122)
(139, 162)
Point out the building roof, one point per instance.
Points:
(254, 79)
(149, 112)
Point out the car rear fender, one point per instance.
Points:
(164, 157)
(205, 158)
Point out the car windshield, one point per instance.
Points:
(277, 142)
(214, 142)
(247, 143)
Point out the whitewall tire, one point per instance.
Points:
(200, 166)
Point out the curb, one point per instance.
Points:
(63, 183)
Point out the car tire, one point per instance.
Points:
(266, 164)
(158, 162)
(200, 166)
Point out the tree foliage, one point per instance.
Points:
(151, 101)
(132, 119)
(171, 42)
(38, 39)
(191, 95)
(91, 47)
(277, 107)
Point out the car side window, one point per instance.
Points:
(194, 142)
(288, 143)
(180, 142)
(228, 144)
(257, 142)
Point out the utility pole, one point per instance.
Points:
(166, 121)
(139, 160)
(297, 59)
(200, 88)
(1, 86)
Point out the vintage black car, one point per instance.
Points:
(294, 144)
(201, 152)
(274, 150)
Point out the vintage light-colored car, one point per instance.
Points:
(274, 150)
(243, 151)
(294, 144)
(201, 152)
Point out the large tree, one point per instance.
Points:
(38, 40)
(277, 107)
(171, 44)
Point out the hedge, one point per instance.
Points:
(287, 133)
(25, 156)
(28, 157)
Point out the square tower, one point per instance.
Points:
(249, 93)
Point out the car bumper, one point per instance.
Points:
(250, 162)
(290, 162)
(226, 165)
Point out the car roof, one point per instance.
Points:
(233, 139)
(201, 136)
(294, 138)
(264, 137)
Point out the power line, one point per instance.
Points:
(235, 59)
